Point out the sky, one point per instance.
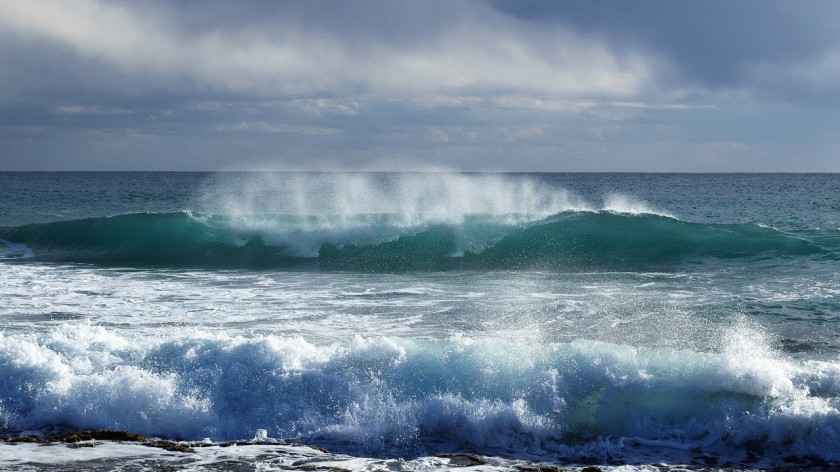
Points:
(464, 85)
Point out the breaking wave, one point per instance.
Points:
(568, 240)
(398, 396)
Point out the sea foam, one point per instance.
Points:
(402, 396)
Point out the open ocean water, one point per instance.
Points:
(421, 321)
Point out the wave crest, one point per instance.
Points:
(571, 240)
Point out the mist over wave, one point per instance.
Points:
(414, 198)
(402, 222)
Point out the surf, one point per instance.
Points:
(381, 395)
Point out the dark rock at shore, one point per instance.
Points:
(312, 446)
(313, 467)
(169, 446)
(22, 439)
(463, 460)
(98, 435)
(539, 468)
(90, 435)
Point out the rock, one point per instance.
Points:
(540, 468)
(314, 467)
(463, 460)
(99, 435)
(169, 446)
(23, 439)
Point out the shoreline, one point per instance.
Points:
(105, 449)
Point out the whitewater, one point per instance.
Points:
(416, 321)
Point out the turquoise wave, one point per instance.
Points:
(144, 239)
(566, 241)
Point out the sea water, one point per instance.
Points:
(626, 320)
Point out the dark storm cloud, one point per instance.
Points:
(713, 43)
(525, 85)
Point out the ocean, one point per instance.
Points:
(420, 321)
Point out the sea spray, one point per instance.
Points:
(629, 204)
(412, 199)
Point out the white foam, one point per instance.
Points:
(108, 456)
(628, 204)
(387, 394)
(10, 250)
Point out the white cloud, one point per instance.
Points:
(542, 104)
(110, 32)
(437, 135)
(326, 107)
(275, 128)
(286, 60)
(91, 110)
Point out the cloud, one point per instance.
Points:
(811, 80)
(437, 135)
(712, 45)
(646, 51)
(90, 110)
(470, 84)
(275, 128)
(327, 107)
(284, 59)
